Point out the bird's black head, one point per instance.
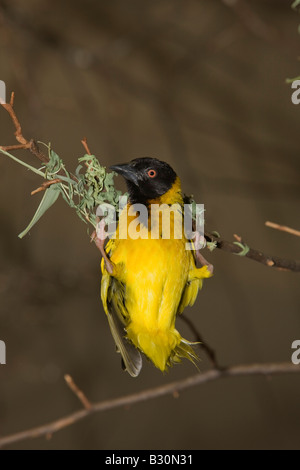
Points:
(146, 178)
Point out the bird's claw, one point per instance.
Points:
(99, 236)
(199, 241)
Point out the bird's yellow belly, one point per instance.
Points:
(155, 273)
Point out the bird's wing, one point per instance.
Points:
(112, 295)
(189, 294)
(193, 285)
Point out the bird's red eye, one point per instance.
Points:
(151, 173)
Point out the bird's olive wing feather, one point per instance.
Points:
(193, 285)
(112, 294)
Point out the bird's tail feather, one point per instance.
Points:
(163, 347)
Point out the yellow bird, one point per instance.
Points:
(147, 281)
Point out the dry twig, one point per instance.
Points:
(45, 185)
(79, 393)
(283, 228)
(23, 143)
(255, 255)
(30, 145)
(85, 144)
(172, 388)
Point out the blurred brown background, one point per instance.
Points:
(201, 85)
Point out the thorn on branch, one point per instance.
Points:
(237, 238)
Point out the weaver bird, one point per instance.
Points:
(147, 282)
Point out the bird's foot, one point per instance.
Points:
(99, 236)
(199, 242)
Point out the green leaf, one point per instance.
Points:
(291, 80)
(216, 234)
(29, 167)
(54, 164)
(245, 249)
(49, 198)
(67, 179)
(109, 179)
(77, 172)
(211, 245)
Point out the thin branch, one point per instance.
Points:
(24, 143)
(79, 393)
(85, 144)
(238, 238)
(34, 149)
(283, 228)
(255, 255)
(45, 186)
(7, 148)
(172, 388)
(199, 339)
(9, 107)
(87, 149)
(30, 145)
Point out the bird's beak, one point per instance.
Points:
(125, 170)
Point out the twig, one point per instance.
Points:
(149, 394)
(45, 186)
(27, 144)
(85, 144)
(7, 148)
(283, 228)
(87, 149)
(10, 109)
(79, 393)
(237, 238)
(24, 143)
(199, 339)
(255, 255)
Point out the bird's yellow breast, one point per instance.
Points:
(155, 272)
